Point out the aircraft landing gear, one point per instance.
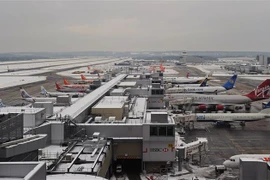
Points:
(242, 123)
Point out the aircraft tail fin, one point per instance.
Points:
(230, 83)
(83, 77)
(88, 67)
(43, 90)
(66, 82)
(187, 76)
(57, 86)
(261, 91)
(2, 104)
(24, 94)
(204, 83)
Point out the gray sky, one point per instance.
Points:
(134, 25)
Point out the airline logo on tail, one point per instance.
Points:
(162, 68)
(261, 92)
(2, 104)
(83, 77)
(24, 94)
(66, 82)
(57, 86)
(230, 83)
(43, 90)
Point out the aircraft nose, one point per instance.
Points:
(226, 163)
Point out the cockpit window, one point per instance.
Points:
(232, 160)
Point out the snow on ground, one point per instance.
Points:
(10, 81)
(25, 72)
(108, 65)
(169, 70)
(218, 72)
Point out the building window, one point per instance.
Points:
(170, 131)
(162, 131)
(153, 131)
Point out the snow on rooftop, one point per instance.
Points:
(18, 109)
(111, 102)
(73, 176)
(124, 84)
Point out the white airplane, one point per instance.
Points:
(213, 89)
(226, 118)
(203, 84)
(234, 161)
(259, 93)
(55, 94)
(28, 98)
(185, 80)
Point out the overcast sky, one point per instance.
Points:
(28, 26)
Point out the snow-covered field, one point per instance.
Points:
(218, 72)
(10, 81)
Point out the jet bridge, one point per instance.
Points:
(187, 151)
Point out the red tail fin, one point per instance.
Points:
(187, 75)
(162, 68)
(66, 82)
(83, 77)
(57, 86)
(88, 67)
(261, 91)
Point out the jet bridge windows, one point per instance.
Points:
(157, 91)
(161, 131)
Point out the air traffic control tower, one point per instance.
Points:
(184, 55)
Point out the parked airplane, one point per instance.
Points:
(203, 84)
(259, 93)
(84, 79)
(28, 98)
(213, 89)
(186, 80)
(226, 118)
(71, 89)
(55, 94)
(75, 86)
(234, 161)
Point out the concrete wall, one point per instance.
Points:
(33, 120)
(156, 102)
(158, 151)
(127, 149)
(24, 170)
(106, 164)
(252, 170)
(43, 129)
(57, 133)
(113, 130)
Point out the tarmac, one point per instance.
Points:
(224, 142)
